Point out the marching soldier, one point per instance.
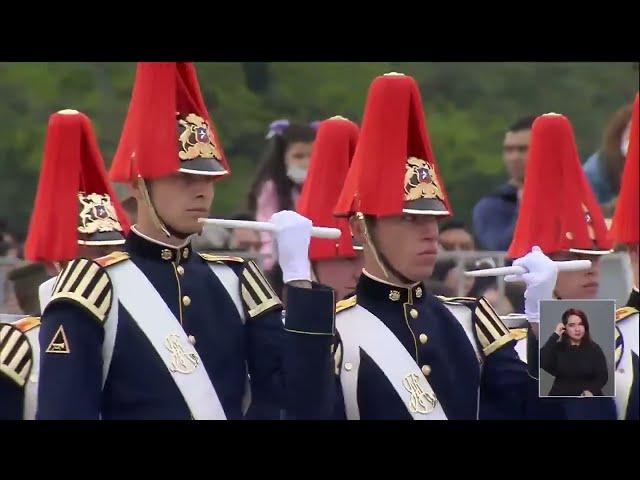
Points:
(560, 214)
(626, 230)
(336, 263)
(403, 353)
(75, 212)
(159, 332)
(18, 377)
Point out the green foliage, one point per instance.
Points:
(468, 106)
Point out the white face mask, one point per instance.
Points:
(296, 174)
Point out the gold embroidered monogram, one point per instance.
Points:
(421, 401)
(181, 361)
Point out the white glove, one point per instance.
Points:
(293, 234)
(540, 279)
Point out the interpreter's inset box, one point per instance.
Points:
(577, 348)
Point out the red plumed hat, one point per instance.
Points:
(333, 149)
(75, 203)
(559, 211)
(394, 169)
(167, 128)
(625, 227)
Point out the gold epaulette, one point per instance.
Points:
(519, 333)
(257, 294)
(87, 284)
(27, 323)
(490, 330)
(346, 303)
(112, 258)
(16, 356)
(455, 300)
(625, 312)
(221, 258)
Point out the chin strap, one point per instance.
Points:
(382, 261)
(155, 217)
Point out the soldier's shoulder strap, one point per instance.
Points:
(86, 283)
(221, 258)
(519, 333)
(27, 323)
(256, 294)
(457, 300)
(490, 332)
(625, 312)
(16, 355)
(112, 259)
(346, 303)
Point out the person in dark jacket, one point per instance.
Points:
(495, 215)
(574, 359)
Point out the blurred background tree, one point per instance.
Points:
(468, 107)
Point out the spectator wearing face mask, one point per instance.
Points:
(280, 176)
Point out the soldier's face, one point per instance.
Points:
(582, 284)
(410, 243)
(341, 274)
(180, 199)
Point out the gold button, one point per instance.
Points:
(569, 235)
(423, 338)
(394, 295)
(180, 270)
(348, 367)
(165, 254)
(426, 369)
(414, 313)
(185, 253)
(186, 301)
(192, 340)
(418, 292)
